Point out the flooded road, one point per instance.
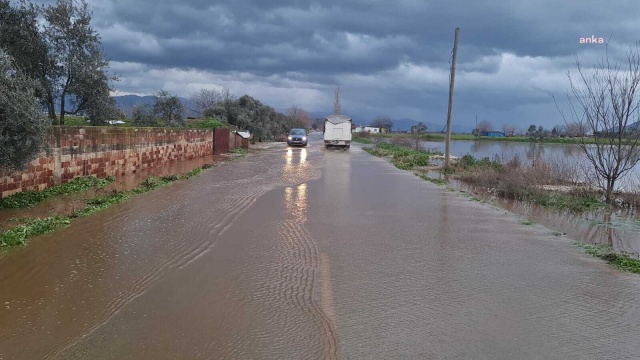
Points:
(309, 253)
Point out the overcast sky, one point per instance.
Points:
(389, 57)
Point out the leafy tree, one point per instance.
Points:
(531, 131)
(63, 55)
(21, 38)
(142, 116)
(168, 109)
(79, 79)
(383, 122)
(23, 128)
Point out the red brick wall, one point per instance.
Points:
(106, 151)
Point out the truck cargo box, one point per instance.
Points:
(337, 131)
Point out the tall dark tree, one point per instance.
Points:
(21, 38)
(168, 109)
(79, 80)
(23, 128)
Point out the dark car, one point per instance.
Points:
(297, 137)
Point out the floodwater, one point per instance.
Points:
(569, 153)
(619, 229)
(69, 203)
(311, 253)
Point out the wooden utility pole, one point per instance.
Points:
(453, 76)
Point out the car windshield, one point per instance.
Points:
(297, 132)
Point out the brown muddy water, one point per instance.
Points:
(307, 253)
(619, 229)
(69, 203)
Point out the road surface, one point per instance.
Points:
(305, 253)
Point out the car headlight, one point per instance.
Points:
(304, 138)
(289, 138)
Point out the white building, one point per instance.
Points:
(372, 129)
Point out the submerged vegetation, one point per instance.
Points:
(621, 261)
(30, 198)
(31, 227)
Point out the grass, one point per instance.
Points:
(402, 157)
(28, 199)
(518, 180)
(433, 180)
(362, 140)
(621, 261)
(574, 203)
(239, 151)
(19, 235)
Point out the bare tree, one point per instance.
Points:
(336, 104)
(418, 129)
(483, 127)
(383, 122)
(298, 115)
(606, 101)
(576, 130)
(509, 130)
(208, 98)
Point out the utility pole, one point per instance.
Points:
(476, 125)
(453, 76)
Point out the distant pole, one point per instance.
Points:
(476, 125)
(453, 76)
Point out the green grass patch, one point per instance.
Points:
(621, 261)
(362, 140)
(28, 199)
(433, 180)
(19, 235)
(563, 201)
(239, 151)
(527, 222)
(403, 158)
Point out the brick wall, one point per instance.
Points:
(105, 151)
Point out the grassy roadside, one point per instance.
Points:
(402, 157)
(606, 253)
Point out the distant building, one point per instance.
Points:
(371, 129)
(493, 133)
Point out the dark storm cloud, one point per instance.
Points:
(389, 56)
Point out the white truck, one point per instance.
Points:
(337, 131)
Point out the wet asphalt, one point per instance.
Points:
(296, 253)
